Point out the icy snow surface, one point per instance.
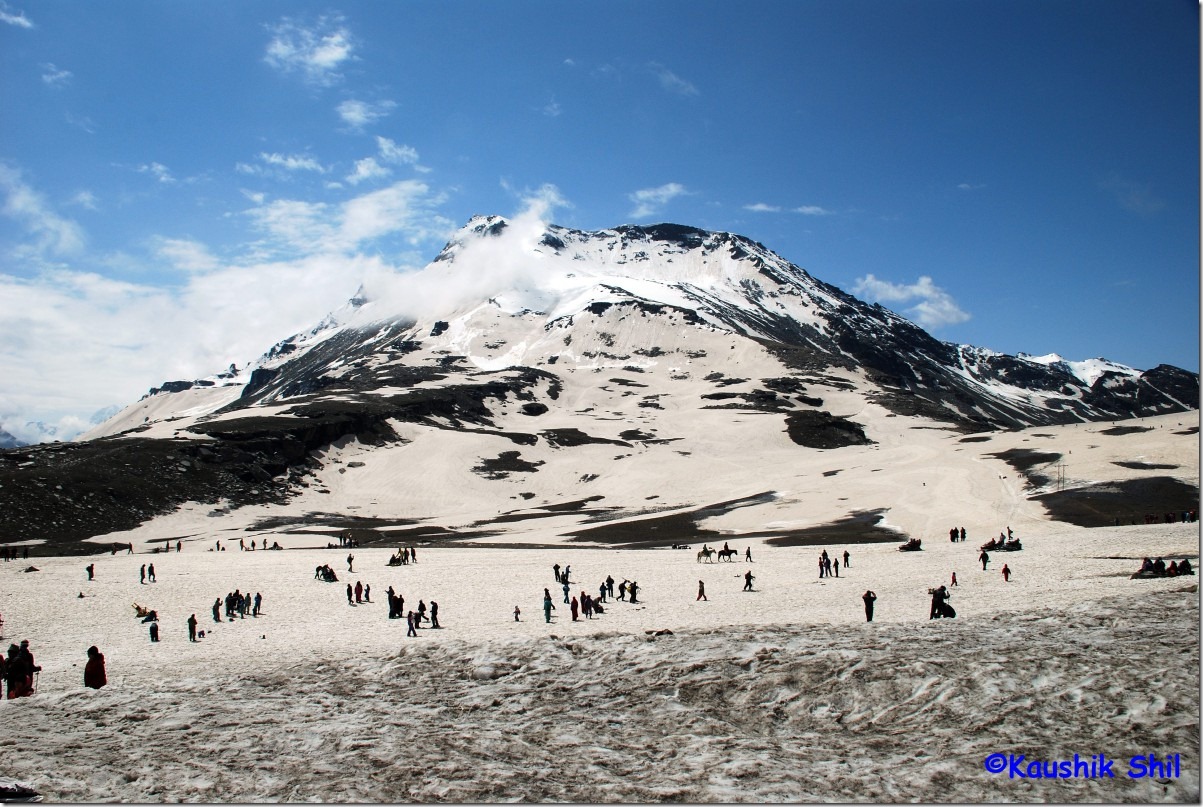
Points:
(782, 693)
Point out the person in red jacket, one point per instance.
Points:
(1006, 573)
(94, 675)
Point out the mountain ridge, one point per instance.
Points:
(523, 348)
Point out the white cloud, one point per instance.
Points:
(482, 268)
(158, 171)
(52, 234)
(935, 307)
(650, 201)
(86, 200)
(367, 168)
(552, 109)
(969, 186)
(55, 77)
(405, 208)
(812, 210)
(395, 153)
(109, 337)
(317, 51)
(671, 82)
(14, 18)
(190, 256)
(116, 339)
(292, 162)
(294, 225)
(761, 207)
(358, 114)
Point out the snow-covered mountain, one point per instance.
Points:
(523, 345)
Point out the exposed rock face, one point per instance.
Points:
(608, 341)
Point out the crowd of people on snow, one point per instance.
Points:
(18, 670)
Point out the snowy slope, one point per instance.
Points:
(531, 366)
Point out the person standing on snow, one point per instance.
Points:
(94, 675)
(869, 597)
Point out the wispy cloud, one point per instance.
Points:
(16, 18)
(159, 171)
(1135, 197)
(389, 152)
(315, 51)
(52, 234)
(358, 114)
(85, 123)
(552, 109)
(404, 209)
(805, 210)
(54, 77)
(190, 256)
(293, 162)
(367, 168)
(671, 82)
(650, 201)
(935, 307)
(107, 335)
(396, 153)
(86, 200)
(970, 186)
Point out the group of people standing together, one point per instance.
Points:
(237, 604)
(18, 670)
(413, 619)
(827, 565)
(587, 604)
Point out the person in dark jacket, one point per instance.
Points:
(192, 628)
(869, 597)
(94, 675)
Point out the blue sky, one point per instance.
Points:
(183, 184)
